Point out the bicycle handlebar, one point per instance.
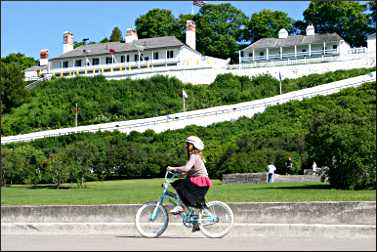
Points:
(174, 174)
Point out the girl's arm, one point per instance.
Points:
(190, 163)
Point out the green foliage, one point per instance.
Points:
(157, 23)
(267, 23)
(346, 18)
(182, 25)
(104, 101)
(21, 165)
(219, 27)
(19, 59)
(56, 171)
(312, 129)
(116, 34)
(372, 15)
(12, 86)
(343, 140)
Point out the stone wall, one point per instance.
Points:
(244, 178)
(258, 178)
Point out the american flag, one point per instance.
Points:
(199, 3)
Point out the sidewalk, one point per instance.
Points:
(296, 219)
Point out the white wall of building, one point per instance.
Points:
(343, 48)
(188, 57)
(208, 75)
(56, 64)
(371, 44)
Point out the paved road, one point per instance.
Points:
(181, 243)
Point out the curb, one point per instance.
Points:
(174, 229)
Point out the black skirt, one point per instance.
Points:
(190, 194)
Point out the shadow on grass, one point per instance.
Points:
(49, 187)
(294, 187)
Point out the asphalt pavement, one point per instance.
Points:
(181, 242)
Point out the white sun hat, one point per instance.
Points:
(194, 140)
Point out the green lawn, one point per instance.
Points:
(141, 190)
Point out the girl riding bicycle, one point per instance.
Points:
(193, 188)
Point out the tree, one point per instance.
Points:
(219, 29)
(56, 169)
(346, 18)
(105, 40)
(12, 86)
(19, 59)
(21, 164)
(116, 34)
(81, 43)
(182, 25)
(343, 139)
(80, 157)
(372, 14)
(267, 23)
(157, 23)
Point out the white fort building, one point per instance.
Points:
(143, 58)
(132, 54)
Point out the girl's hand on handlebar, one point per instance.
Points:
(169, 168)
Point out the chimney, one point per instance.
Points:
(191, 34)
(310, 30)
(131, 35)
(43, 57)
(283, 33)
(68, 42)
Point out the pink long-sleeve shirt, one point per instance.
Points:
(196, 170)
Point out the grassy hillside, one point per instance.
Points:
(102, 101)
(343, 125)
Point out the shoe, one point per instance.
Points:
(195, 227)
(176, 210)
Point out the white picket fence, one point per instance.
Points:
(201, 117)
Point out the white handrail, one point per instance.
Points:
(202, 117)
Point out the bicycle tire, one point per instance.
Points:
(145, 226)
(225, 220)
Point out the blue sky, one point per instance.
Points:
(30, 26)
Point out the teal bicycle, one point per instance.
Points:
(152, 218)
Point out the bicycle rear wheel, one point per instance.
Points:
(147, 226)
(217, 220)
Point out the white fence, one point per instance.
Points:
(202, 117)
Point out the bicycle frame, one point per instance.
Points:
(189, 215)
(165, 194)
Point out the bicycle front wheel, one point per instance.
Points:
(217, 220)
(151, 220)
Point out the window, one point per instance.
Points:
(241, 53)
(303, 50)
(78, 63)
(95, 61)
(146, 58)
(261, 53)
(251, 54)
(65, 64)
(170, 54)
(109, 60)
(155, 55)
(122, 59)
(334, 46)
(136, 57)
(128, 58)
